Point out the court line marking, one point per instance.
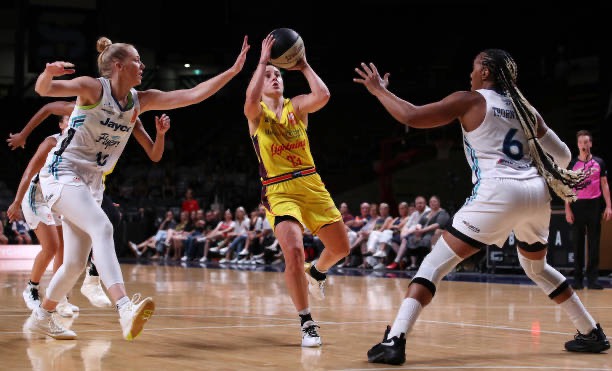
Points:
(331, 323)
(493, 367)
(515, 307)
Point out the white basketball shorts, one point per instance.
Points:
(36, 211)
(500, 205)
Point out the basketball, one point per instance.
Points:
(288, 48)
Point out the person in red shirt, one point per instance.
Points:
(189, 203)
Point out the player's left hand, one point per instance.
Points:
(607, 213)
(162, 124)
(14, 212)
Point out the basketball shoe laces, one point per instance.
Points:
(136, 298)
(312, 331)
(34, 293)
(592, 336)
(54, 327)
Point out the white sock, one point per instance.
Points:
(406, 317)
(121, 302)
(578, 314)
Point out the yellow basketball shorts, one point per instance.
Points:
(305, 199)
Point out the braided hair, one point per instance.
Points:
(504, 71)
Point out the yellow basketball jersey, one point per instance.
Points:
(281, 144)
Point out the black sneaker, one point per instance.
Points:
(390, 351)
(593, 342)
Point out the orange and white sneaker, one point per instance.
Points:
(316, 288)
(134, 315)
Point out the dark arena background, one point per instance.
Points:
(361, 152)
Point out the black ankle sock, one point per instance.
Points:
(33, 283)
(305, 318)
(314, 272)
(92, 270)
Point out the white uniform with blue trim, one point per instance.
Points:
(90, 146)
(508, 194)
(35, 209)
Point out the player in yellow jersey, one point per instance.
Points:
(292, 192)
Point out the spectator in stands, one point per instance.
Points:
(346, 213)
(21, 232)
(237, 237)
(375, 236)
(218, 235)
(175, 237)
(189, 203)
(157, 241)
(254, 232)
(389, 232)
(199, 225)
(358, 247)
(419, 241)
(420, 208)
(360, 220)
(262, 239)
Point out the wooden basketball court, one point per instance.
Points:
(230, 319)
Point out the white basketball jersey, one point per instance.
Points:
(34, 197)
(95, 137)
(498, 148)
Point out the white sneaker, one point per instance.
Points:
(134, 248)
(213, 249)
(64, 308)
(223, 261)
(244, 252)
(134, 315)
(31, 296)
(316, 288)
(92, 290)
(74, 308)
(380, 254)
(184, 258)
(48, 326)
(223, 250)
(203, 259)
(380, 266)
(310, 335)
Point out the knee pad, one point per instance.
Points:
(551, 281)
(437, 264)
